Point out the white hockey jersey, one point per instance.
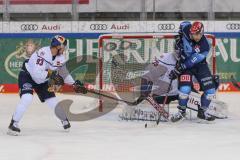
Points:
(41, 61)
(158, 73)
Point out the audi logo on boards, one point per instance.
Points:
(233, 26)
(165, 27)
(29, 27)
(98, 26)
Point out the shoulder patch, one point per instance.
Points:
(41, 53)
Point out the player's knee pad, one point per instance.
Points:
(210, 93)
(184, 92)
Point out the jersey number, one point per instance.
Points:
(40, 61)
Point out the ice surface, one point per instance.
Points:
(108, 138)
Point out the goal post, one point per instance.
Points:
(139, 48)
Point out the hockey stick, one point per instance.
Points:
(98, 93)
(217, 117)
(158, 107)
(165, 99)
(150, 99)
(234, 82)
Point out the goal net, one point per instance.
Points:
(138, 50)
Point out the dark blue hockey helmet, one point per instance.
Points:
(58, 40)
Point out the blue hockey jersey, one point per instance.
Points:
(194, 52)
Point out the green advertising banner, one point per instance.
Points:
(228, 58)
(15, 50)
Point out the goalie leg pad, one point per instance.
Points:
(146, 87)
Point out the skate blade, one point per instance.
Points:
(67, 130)
(179, 121)
(12, 133)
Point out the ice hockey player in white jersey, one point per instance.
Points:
(40, 73)
(157, 74)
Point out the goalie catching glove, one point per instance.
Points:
(78, 87)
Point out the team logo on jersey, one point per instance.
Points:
(185, 78)
(197, 48)
(42, 54)
(26, 86)
(135, 74)
(58, 63)
(15, 59)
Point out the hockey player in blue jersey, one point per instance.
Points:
(193, 48)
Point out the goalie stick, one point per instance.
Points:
(160, 108)
(165, 99)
